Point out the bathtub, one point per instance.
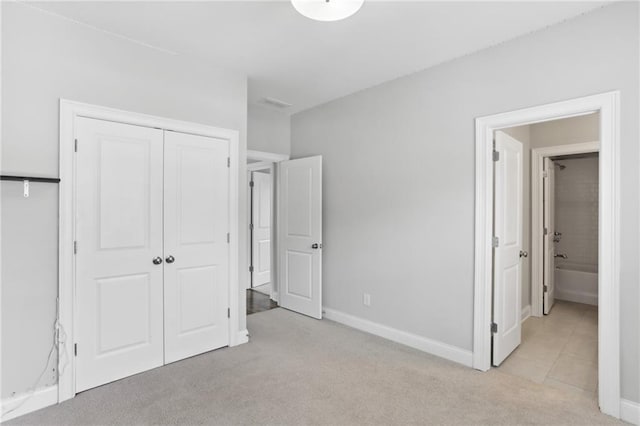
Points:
(576, 283)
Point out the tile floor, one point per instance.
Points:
(559, 349)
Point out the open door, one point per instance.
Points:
(550, 229)
(300, 235)
(507, 269)
(261, 228)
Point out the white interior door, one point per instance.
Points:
(261, 228)
(119, 234)
(507, 280)
(549, 245)
(196, 249)
(300, 235)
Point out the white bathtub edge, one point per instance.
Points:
(577, 296)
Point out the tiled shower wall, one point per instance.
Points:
(576, 211)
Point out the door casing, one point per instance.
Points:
(69, 110)
(608, 105)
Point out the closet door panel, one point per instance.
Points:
(119, 232)
(196, 223)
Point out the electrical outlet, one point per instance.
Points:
(366, 299)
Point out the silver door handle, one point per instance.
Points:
(170, 259)
(524, 253)
(157, 260)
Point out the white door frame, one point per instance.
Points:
(254, 167)
(69, 110)
(608, 105)
(267, 160)
(537, 224)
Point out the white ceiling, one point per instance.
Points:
(306, 63)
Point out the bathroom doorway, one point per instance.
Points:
(560, 200)
(487, 330)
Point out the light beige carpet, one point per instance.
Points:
(297, 371)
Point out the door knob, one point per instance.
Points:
(157, 260)
(170, 259)
(524, 253)
(316, 246)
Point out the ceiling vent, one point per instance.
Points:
(276, 103)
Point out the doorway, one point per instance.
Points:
(606, 105)
(262, 292)
(295, 255)
(560, 347)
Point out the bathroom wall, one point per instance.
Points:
(576, 211)
(576, 217)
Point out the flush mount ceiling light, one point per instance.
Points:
(327, 10)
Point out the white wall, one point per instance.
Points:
(45, 58)
(268, 130)
(584, 128)
(399, 174)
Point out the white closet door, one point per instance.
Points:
(261, 221)
(119, 233)
(196, 251)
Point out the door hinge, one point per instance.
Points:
(228, 312)
(75, 247)
(228, 237)
(228, 161)
(250, 268)
(496, 155)
(251, 226)
(545, 175)
(495, 242)
(75, 349)
(251, 184)
(546, 231)
(75, 145)
(494, 327)
(545, 288)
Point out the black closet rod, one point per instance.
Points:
(30, 179)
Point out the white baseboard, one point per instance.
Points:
(526, 313)
(433, 347)
(241, 337)
(577, 296)
(630, 411)
(26, 403)
(274, 296)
